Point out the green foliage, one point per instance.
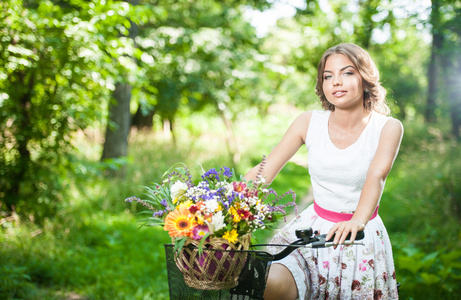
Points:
(14, 281)
(66, 57)
(49, 91)
(93, 257)
(433, 275)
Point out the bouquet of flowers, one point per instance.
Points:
(218, 207)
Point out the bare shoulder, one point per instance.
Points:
(301, 124)
(305, 117)
(393, 126)
(392, 133)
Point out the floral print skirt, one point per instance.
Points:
(347, 272)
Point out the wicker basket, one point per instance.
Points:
(218, 267)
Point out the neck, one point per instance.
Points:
(350, 119)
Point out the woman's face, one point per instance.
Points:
(342, 83)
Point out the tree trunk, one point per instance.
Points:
(432, 72)
(231, 141)
(172, 131)
(22, 127)
(143, 122)
(451, 65)
(118, 127)
(455, 98)
(119, 122)
(429, 114)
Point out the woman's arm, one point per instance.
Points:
(389, 144)
(286, 148)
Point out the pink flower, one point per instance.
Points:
(326, 264)
(244, 214)
(239, 186)
(199, 232)
(363, 266)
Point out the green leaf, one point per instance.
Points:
(202, 241)
(429, 278)
(179, 243)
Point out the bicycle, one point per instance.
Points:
(252, 279)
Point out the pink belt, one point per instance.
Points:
(336, 217)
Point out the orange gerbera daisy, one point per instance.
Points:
(179, 223)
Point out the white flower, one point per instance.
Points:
(260, 179)
(178, 189)
(217, 222)
(253, 201)
(212, 205)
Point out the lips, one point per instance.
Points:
(339, 93)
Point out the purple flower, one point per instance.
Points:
(158, 213)
(140, 201)
(164, 202)
(206, 197)
(221, 192)
(232, 196)
(211, 174)
(199, 232)
(227, 172)
(130, 199)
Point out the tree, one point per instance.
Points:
(445, 23)
(46, 97)
(451, 63)
(119, 118)
(195, 58)
(432, 72)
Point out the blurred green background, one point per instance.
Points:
(99, 98)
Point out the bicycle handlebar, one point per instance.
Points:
(309, 239)
(306, 238)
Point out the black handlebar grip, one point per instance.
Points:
(360, 236)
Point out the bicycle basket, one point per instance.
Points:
(251, 281)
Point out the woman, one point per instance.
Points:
(352, 145)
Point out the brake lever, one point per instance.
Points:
(322, 242)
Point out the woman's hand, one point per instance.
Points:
(342, 229)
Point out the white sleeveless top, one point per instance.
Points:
(338, 175)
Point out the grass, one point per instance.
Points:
(94, 249)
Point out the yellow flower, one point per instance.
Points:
(231, 236)
(179, 223)
(200, 219)
(235, 215)
(186, 204)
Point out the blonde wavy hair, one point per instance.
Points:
(374, 95)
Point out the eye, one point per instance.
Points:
(326, 77)
(348, 73)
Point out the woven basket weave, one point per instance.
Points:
(215, 269)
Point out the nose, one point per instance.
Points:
(336, 81)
